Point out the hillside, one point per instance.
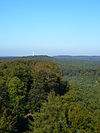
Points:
(86, 58)
(48, 95)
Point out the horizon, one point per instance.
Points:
(52, 27)
(50, 56)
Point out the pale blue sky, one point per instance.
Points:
(51, 27)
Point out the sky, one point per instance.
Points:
(49, 27)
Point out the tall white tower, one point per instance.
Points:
(33, 53)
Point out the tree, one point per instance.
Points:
(51, 118)
(46, 78)
(17, 95)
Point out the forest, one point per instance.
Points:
(49, 95)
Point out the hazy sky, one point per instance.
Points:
(51, 27)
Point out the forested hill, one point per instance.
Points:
(45, 57)
(37, 57)
(86, 58)
(24, 86)
(48, 95)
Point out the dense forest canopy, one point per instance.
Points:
(45, 95)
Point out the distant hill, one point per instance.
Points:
(45, 57)
(38, 57)
(87, 58)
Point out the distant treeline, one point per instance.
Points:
(85, 58)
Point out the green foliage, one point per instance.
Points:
(46, 77)
(51, 118)
(36, 98)
(24, 86)
(17, 95)
(65, 114)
